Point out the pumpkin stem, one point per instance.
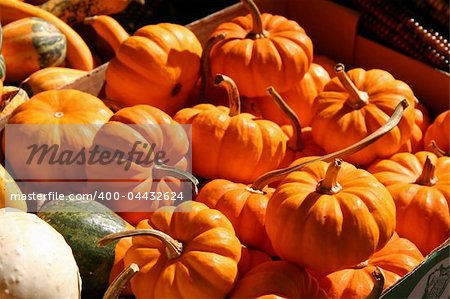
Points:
(276, 175)
(362, 265)
(233, 93)
(180, 174)
(296, 124)
(206, 63)
(329, 185)
(173, 247)
(428, 176)
(437, 150)
(120, 282)
(378, 285)
(357, 99)
(257, 28)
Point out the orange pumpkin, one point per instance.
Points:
(300, 98)
(159, 66)
(251, 258)
(325, 62)
(244, 207)
(420, 186)
(50, 78)
(189, 251)
(256, 45)
(396, 259)
(231, 145)
(355, 104)
(277, 279)
(70, 120)
(139, 127)
(439, 131)
(329, 215)
(421, 123)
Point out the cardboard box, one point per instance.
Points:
(333, 30)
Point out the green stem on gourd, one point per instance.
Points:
(120, 282)
(428, 176)
(172, 246)
(180, 174)
(329, 185)
(378, 286)
(276, 175)
(437, 150)
(206, 63)
(296, 124)
(257, 27)
(357, 99)
(232, 91)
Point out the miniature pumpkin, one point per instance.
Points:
(31, 44)
(137, 129)
(439, 131)
(353, 105)
(300, 98)
(189, 251)
(256, 45)
(159, 66)
(50, 78)
(420, 186)
(277, 279)
(251, 258)
(329, 215)
(70, 120)
(231, 145)
(399, 257)
(421, 123)
(244, 207)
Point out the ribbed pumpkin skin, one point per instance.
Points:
(31, 44)
(439, 131)
(328, 232)
(75, 11)
(245, 210)
(238, 148)
(57, 107)
(300, 98)
(396, 259)
(146, 124)
(423, 212)
(158, 66)
(277, 279)
(338, 125)
(285, 54)
(251, 258)
(207, 267)
(50, 78)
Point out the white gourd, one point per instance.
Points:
(35, 260)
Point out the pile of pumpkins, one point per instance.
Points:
(279, 212)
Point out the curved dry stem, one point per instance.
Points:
(232, 91)
(378, 286)
(278, 174)
(173, 247)
(257, 28)
(296, 124)
(329, 185)
(428, 176)
(180, 174)
(357, 99)
(437, 150)
(206, 63)
(121, 281)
